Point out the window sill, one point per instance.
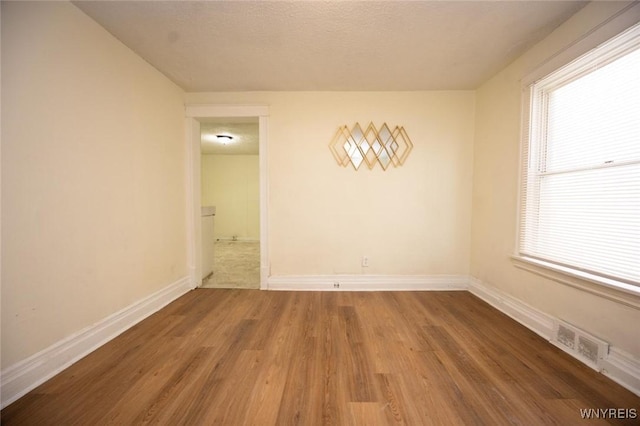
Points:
(610, 289)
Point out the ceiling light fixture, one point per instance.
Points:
(224, 139)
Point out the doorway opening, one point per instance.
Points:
(230, 187)
(228, 170)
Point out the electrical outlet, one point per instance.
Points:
(365, 261)
(336, 285)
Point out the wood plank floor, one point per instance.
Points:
(255, 357)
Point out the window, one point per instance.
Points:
(580, 208)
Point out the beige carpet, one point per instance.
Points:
(236, 264)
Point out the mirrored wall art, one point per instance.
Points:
(370, 146)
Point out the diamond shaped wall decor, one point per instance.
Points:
(370, 146)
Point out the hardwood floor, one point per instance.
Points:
(278, 358)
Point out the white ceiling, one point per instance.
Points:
(329, 45)
(243, 130)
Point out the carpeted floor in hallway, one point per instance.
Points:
(236, 264)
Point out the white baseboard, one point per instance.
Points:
(535, 320)
(623, 369)
(619, 366)
(367, 282)
(27, 374)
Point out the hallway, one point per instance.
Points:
(236, 264)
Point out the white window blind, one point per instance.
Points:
(581, 193)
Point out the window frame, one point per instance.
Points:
(534, 109)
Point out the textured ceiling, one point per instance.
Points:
(329, 45)
(243, 130)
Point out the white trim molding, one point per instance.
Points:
(238, 240)
(22, 377)
(623, 369)
(619, 366)
(535, 320)
(26, 375)
(194, 113)
(624, 294)
(367, 282)
(225, 110)
(618, 21)
(263, 141)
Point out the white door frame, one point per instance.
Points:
(194, 113)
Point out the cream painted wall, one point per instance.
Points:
(323, 218)
(93, 182)
(93, 176)
(232, 184)
(496, 175)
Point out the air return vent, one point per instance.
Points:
(580, 344)
(566, 337)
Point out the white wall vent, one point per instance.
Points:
(580, 344)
